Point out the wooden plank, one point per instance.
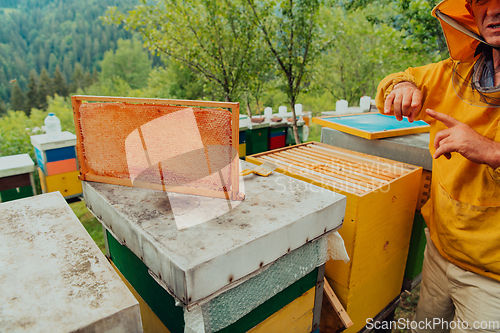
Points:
(367, 299)
(366, 134)
(362, 162)
(361, 157)
(235, 166)
(425, 189)
(66, 183)
(157, 187)
(150, 321)
(63, 166)
(336, 168)
(284, 170)
(339, 309)
(352, 166)
(43, 182)
(79, 139)
(335, 183)
(295, 317)
(393, 209)
(140, 100)
(15, 181)
(16, 193)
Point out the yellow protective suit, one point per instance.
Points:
(463, 212)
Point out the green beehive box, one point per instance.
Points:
(16, 177)
(257, 135)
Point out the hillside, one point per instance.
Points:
(38, 34)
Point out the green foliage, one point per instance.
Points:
(422, 35)
(291, 32)
(129, 63)
(76, 79)
(44, 33)
(214, 38)
(31, 94)
(3, 108)
(59, 83)
(176, 82)
(112, 87)
(44, 89)
(16, 127)
(371, 46)
(18, 99)
(93, 227)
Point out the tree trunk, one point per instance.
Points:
(249, 111)
(294, 123)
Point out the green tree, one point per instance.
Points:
(31, 94)
(184, 83)
(59, 83)
(130, 63)
(214, 38)
(76, 79)
(87, 79)
(17, 99)
(421, 34)
(291, 31)
(3, 108)
(44, 89)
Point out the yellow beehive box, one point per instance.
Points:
(381, 200)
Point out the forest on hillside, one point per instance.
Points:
(37, 35)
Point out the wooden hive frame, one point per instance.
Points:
(365, 134)
(228, 194)
(378, 220)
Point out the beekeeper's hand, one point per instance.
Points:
(460, 138)
(406, 99)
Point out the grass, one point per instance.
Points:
(314, 132)
(407, 307)
(93, 227)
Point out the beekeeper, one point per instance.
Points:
(460, 99)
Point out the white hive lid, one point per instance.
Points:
(16, 165)
(279, 214)
(53, 277)
(43, 142)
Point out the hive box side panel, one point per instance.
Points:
(150, 321)
(336, 269)
(384, 225)
(136, 273)
(295, 317)
(368, 298)
(66, 183)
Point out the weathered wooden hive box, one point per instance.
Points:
(255, 266)
(412, 149)
(53, 277)
(16, 177)
(381, 199)
(204, 249)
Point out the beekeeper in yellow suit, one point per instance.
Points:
(460, 99)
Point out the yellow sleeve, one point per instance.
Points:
(425, 78)
(387, 84)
